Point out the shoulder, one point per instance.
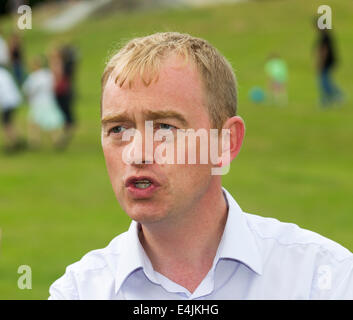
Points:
(100, 258)
(290, 235)
(322, 267)
(96, 265)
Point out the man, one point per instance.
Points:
(189, 239)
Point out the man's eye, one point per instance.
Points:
(165, 126)
(117, 129)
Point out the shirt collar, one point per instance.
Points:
(133, 257)
(237, 243)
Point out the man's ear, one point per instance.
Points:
(235, 131)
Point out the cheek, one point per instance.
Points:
(113, 162)
(191, 169)
(185, 177)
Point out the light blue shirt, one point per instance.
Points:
(257, 258)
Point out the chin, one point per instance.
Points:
(146, 213)
(145, 219)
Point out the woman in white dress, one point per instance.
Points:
(10, 100)
(44, 114)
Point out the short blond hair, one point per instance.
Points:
(144, 56)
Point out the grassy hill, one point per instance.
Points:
(296, 163)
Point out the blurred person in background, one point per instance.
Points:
(276, 70)
(326, 59)
(4, 52)
(16, 56)
(10, 100)
(63, 64)
(45, 114)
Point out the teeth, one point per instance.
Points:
(142, 184)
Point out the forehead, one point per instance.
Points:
(178, 86)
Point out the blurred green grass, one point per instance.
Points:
(295, 165)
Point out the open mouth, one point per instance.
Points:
(142, 184)
(141, 187)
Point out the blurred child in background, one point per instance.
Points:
(4, 52)
(276, 70)
(10, 99)
(44, 114)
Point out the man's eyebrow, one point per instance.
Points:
(163, 114)
(115, 118)
(149, 115)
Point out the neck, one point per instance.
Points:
(184, 251)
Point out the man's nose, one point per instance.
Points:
(140, 150)
(148, 143)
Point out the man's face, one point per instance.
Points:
(151, 192)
